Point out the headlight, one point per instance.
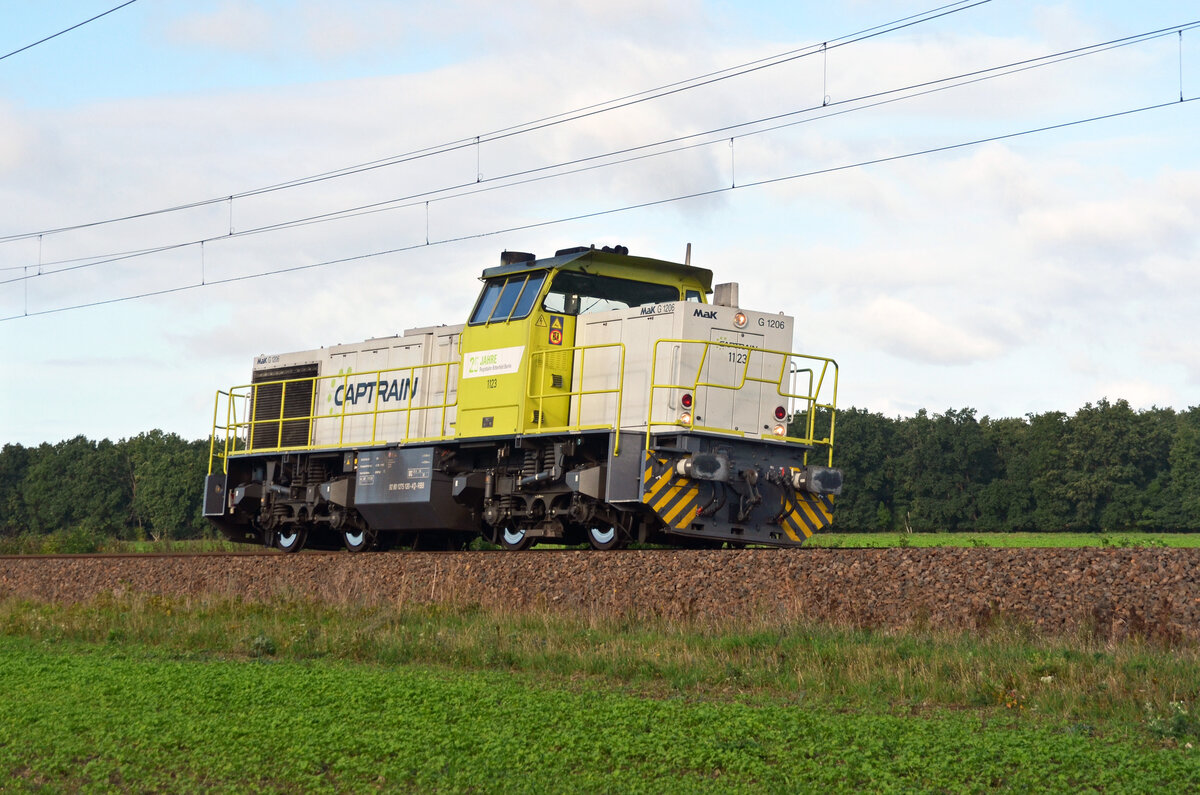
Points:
(739, 320)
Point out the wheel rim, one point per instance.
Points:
(355, 539)
(602, 538)
(287, 541)
(512, 538)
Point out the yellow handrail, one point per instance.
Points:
(694, 383)
(240, 433)
(578, 394)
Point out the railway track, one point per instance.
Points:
(139, 555)
(267, 552)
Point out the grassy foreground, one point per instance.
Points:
(1004, 540)
(146, 694)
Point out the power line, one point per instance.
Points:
(68, 30)
(614, 210)
(450, 192)
(542, 123)
(514, 179)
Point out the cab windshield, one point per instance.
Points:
(574, 293)
(507, 298)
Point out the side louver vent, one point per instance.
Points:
(278, 396)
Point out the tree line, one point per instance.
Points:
(145, 488)
(1105, 468)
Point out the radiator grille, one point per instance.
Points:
(274, 405)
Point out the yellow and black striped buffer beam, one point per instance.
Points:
(675, 498)
(805, 514)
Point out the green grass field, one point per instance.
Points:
(887, 540)
(146, 694)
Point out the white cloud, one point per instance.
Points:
(912, 333)
(1139, 393)
(14, 138)
(233, 25)
(1175, 348)
(1113, 230)
(374, 28)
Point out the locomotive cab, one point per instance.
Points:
(519, 352)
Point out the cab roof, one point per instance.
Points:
(592, 260)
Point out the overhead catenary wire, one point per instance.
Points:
(67, 30)
(611, 211)
(576, 166)
(920, 89)
(537, 124)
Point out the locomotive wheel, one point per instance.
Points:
(514, 538)
(604, 537)
(290, 538)
(357, 539)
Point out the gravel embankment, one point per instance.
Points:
(1114, 593)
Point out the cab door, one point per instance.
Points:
(496, 346)
(551, 360)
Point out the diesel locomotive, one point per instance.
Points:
(593, 397)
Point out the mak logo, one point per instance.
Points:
(711, 314)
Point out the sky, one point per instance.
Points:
(905, 214)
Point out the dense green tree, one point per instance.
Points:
(943, 471)
(77, 482)
(1107, 467)
(1111, 455)
(43, 493)
(14, 460)
(166, 473)
(1005, 500)
(1045, 454)
(1179, 508)
(865, 450)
